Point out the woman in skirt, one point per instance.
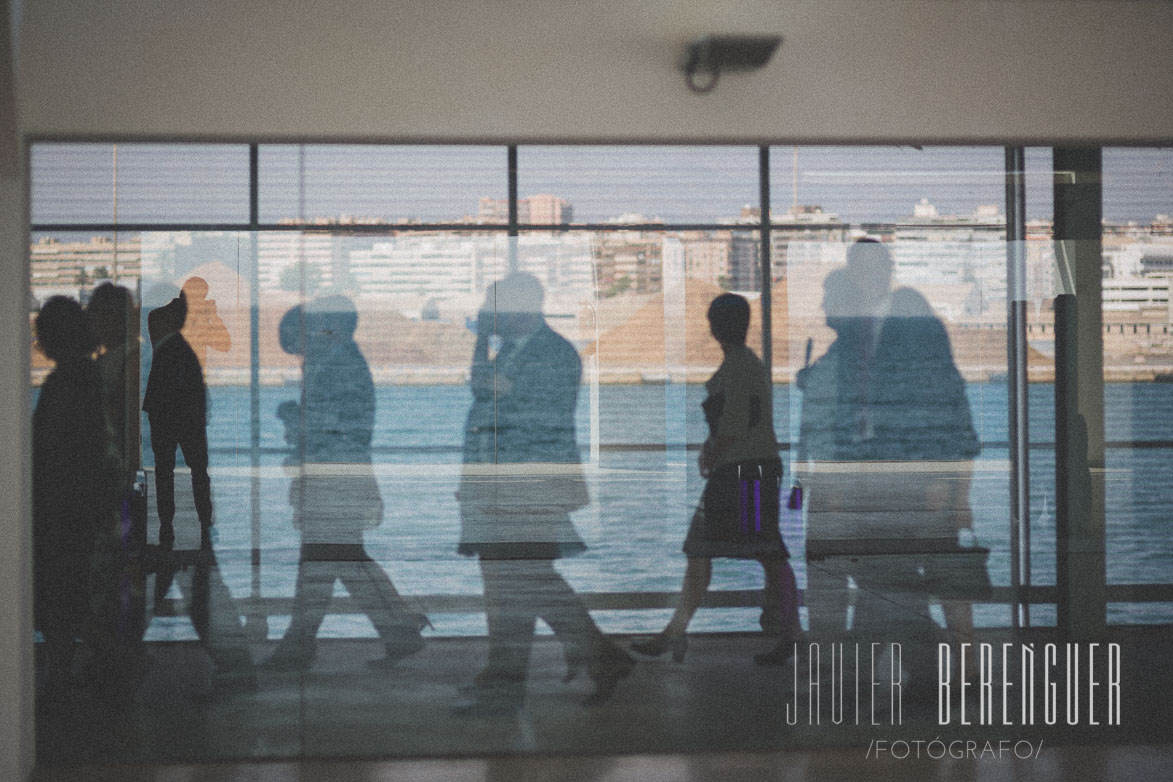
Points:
(738, 513)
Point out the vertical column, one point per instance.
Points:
(1079, 394)
(1016, 382)
(512, 228)
(16, 625)
(767, 277)
(257, 620)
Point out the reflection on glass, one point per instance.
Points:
(887, 432)
(336, 447)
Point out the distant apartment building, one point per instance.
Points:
(73, 267)
(802, 223)
(540, 209)
(627, 260)
(745, 261)
(562, 262)
(425, 267)
(706, 257)
(279, 253)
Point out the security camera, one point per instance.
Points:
(711, 54)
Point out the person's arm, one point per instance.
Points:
(480, 375)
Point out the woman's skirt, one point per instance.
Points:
(738, 513)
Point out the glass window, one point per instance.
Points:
(139, 183)
(337, 183)
(637, 184)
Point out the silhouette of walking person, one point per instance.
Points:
(74, 482)
(522, 479)
(176, 406)
(738, 514)
(334, 494)
(885, 413)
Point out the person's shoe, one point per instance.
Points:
(290, 658)
(396, 650)
(610, 666)
(406, 643)
(780, 654)
(658, 644)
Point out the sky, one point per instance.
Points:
(208, 183)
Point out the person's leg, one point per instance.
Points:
(194, 442)
(374, 591)
(781, 593)
(316, 573)
(827, 597)
(163, 444)
(216, 617)
(563, 610)
(697, 575)
(511, 617)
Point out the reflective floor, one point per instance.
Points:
(1119, 764)
(716, 700)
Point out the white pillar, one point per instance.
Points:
(16, 663)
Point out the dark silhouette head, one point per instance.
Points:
(840, 301)
(291, 331)
(63, 331)
(109, 309)
(332, 316)
(167, 319)
(514, 304)
(729, 319)
(869, 266)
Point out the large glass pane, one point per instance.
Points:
(1138, 363)
(637, 184)
(456, 476)
(336, 183)
(139, 183)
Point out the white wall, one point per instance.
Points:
(849, 70)
(16, 712)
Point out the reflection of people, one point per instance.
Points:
(74, 476)
(334, 494)
(117, 578)
(204, 329)
(522, 479)
(738, 514)
(212, 610)
(176, 405)
(112, 315)
(887, 424)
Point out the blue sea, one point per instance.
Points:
(643, 494)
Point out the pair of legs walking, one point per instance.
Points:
(517, 593)
(320, 565)
(779, 606)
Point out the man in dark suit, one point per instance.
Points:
(176, 406)
(522, 479)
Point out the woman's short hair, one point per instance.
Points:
(729, 318)
(63, 330)
(109, 307)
